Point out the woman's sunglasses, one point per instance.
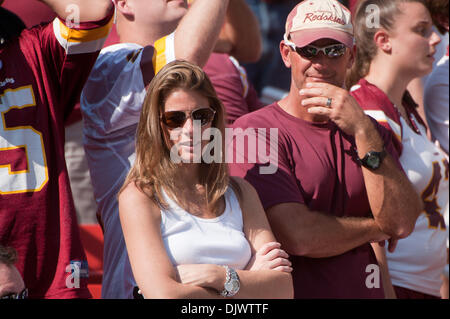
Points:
(175, 119)
(310, 51)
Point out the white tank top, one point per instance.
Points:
(419, 259)
(192, 240)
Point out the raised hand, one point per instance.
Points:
(335, 103)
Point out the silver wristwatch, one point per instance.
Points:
(232, 283)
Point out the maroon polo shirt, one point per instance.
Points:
(317, 167)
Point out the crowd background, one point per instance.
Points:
(268, 76)
(257, 79)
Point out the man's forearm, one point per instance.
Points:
(85, 10)
(394, 203)
(198, 31)
(342, 235)
(313, 234)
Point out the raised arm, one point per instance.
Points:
(89, 10)
(198, 31)
(240, 36)
(394, 203)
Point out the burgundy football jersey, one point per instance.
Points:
(41, 76)
(232, 87)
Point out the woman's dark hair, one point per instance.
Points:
(10, 25)
(439, 10)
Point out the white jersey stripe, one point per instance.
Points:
(380, 116)
(78, 47)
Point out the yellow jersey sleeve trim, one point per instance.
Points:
(80, 41)
(159, 57)
(164, 52)
(74, 35)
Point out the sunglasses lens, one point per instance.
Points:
(335, 51)
(331, 51)
(174, 119)
(307, 52)
(205, 115)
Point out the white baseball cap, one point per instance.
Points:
(312, 20)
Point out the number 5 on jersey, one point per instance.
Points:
(23, 164)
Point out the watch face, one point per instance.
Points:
(232, 286)
(373, 161)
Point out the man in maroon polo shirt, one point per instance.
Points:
(337, 185)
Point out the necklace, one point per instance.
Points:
(408, 118)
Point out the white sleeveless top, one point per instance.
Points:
(193, 240)
(419, 259)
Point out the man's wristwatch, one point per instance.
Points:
(372, 160)
(232, 283)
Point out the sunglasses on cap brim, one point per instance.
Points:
(176, 119)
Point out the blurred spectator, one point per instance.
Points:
(439, 9)
(11, 282)
(33, 13)
(42, 72)
(436, 101)
(10, 25)
(231, 83)
(351, 5)
(388, 58)
(239, 41)
(269, 71)
(444, 287)
(112, 99)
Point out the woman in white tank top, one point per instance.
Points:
(192, 231)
